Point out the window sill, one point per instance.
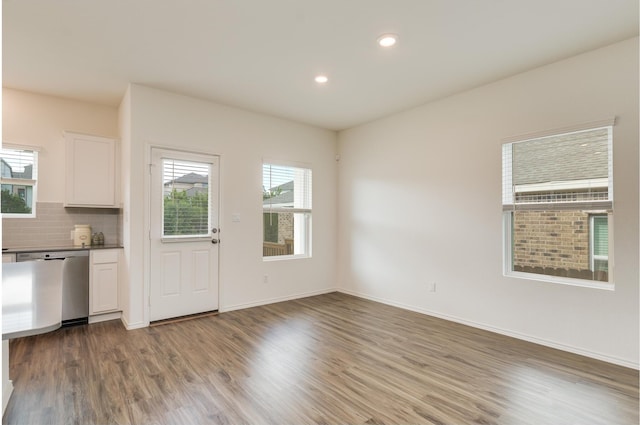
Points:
(19, 215)
(285, 257)
(607, 286)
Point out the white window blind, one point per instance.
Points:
(286, 188)
(566, 171)
(18, 164)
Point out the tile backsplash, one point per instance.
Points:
(53, 225)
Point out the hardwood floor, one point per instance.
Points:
(330, 359)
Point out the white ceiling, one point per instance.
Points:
(262, 55)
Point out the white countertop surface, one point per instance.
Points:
(18, 250)
(31, 298)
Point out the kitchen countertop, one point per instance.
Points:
(57, 248)
(31, 298)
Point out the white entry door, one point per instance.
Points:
(184, 233)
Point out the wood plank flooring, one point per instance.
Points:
(330, 359)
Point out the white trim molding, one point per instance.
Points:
(267, 301)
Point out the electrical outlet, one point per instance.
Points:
(265, 279)
(432, 287)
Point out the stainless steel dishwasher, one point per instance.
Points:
(75, 282)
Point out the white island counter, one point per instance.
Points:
(31, 298)
(31, 305)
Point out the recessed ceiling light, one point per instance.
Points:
(321, 79)
(387, 40)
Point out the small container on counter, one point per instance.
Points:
(97, 239)
(82, 235)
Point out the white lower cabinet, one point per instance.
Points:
(103, 281)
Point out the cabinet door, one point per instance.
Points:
(91, 171)
(104, 287)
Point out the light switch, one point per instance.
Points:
(235, 217)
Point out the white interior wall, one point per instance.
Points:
(40, 120)
(242, 139)
(420, 202)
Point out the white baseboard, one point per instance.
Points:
(131, 326)
(104, 317)
(524, 337)
(276, 300)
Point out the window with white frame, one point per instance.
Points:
(286, 208)
(18, 179)
(557, 197)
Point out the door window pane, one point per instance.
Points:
(185, 198)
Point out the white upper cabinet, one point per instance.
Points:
(91, 171)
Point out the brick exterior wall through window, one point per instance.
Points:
(553, 243)
(285, 227)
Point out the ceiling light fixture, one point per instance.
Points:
(321, 79)
(387, 40)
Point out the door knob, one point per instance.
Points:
(215, 241)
